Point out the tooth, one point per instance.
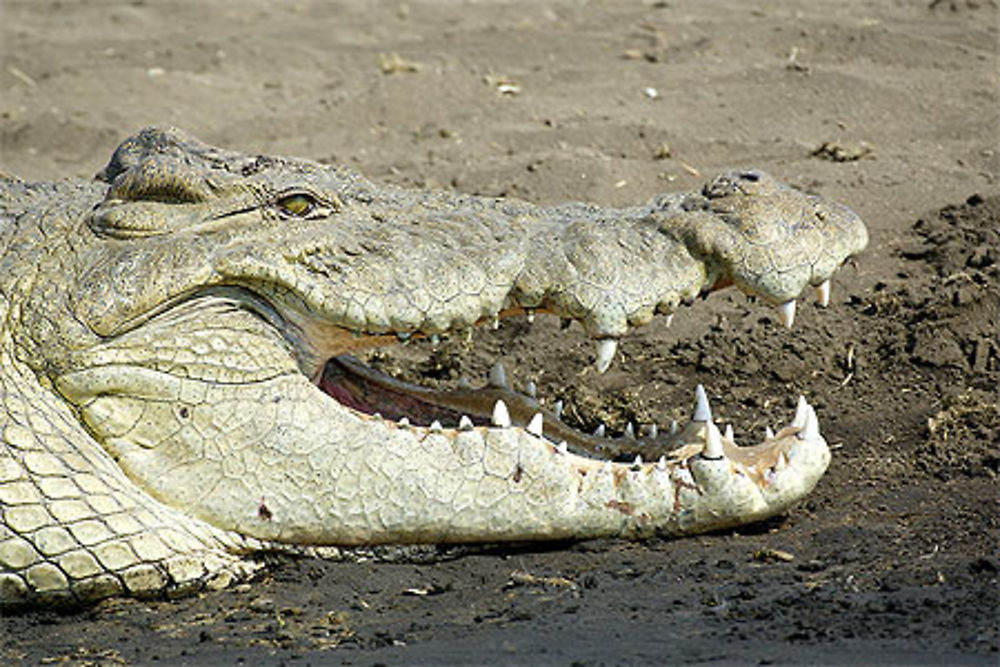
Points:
(702, 411)
(557, 408)
(403, 337)
(530, 315)
(465, 424)
(496, 321)
(607, 467)
(670, 319)
(498, 376)
(629, 430)
(801, 408)
(782, 461)
(535, 425)
(786, 313)
(563, 447)
(662, 463)
(713, 442)
(638, 460)
(674, 427)
(768, 433)
(729, 433)
(404, 422)
(810, 431)
(606, 348)
(435, 427)
(654, 431)
(501, 417)
(599, 431)
(823, 293)
(435, 339)
(531, 389)
(464, 383)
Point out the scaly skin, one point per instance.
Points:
(166, 406)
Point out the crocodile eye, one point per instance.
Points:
(298, 205)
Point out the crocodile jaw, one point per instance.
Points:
(279, 460)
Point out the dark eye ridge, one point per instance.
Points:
(298, 204)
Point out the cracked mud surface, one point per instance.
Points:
(893, 559)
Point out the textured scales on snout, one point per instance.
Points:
(177, 390)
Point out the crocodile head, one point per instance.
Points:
(217, 295)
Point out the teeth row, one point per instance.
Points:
(608, 347)
(805, 423)
(805, 416)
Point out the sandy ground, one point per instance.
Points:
(894, 559)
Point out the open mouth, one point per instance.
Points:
(495, 403)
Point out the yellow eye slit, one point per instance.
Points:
(299, 204)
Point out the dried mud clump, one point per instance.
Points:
(957, 326)
(963, 438)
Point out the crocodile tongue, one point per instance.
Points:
(367, 390)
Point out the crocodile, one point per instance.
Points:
(181, 390)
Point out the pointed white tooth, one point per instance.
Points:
(606, 348)
(786, 313)
(435, 426)
(801, 408)
(782, 461)
(403, 421)
(496, 321)
(531, 389)
(702, 411)
(557, 408)
(674, 427)
(629, 430)
(768, 433)
(662, 463)
(465, 424)
(669, 319)
(501, 417)
(638, 460)
(535, 425)
(654, 431)
(435, 339)
(810, 431)
(563, 447)
(530, 315)
(713, 442)
(498, 376)
(599, 431)
(729, 433)
(823, 293)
